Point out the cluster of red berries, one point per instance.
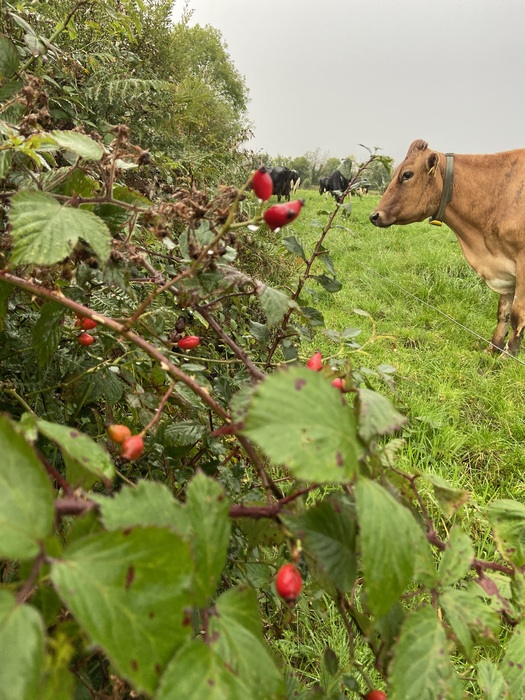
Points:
(278, 215)
(316, 363)
(131, 446)
(85, 324)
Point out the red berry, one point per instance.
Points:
(86, 324)
(288, 582)
(376, 695)
(85, 339)
(262, 184)
(278, 215)
(132, 447)
(315, 362)
(118, 433)
(189, 342)
(339, 383)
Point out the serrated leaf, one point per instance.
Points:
(512, 666)
(330, 284)
(86, 460)
(508, 521)
(46, 331)
(148, 503)
(82, 145)
(389, 541)
(472, 620)
(238, 640)
(456, 559)
(298, 419)
(184, 432)
(273, 302)
(293, 246)
(450, 499)
(22, 644)
(421, 668)
(26, 497)
(328, 263)
(196, 672)
(377, 415)
(9, 57)
(314, 316)
(129, 590)
(45, 232)
(207, 510)
(491, 681)
(328, 533)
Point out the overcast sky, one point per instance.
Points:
(331, 74)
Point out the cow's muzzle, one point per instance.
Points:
(377, 218)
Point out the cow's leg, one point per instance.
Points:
(517, 320)
(504, 314)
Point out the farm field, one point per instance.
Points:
(430, 317)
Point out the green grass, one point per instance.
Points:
(431, 318)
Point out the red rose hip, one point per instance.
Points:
(85, 339)
(189, 342)
(315, 362)
(118, 433)
(288, 583)
(279, 215)
(132, 447)
(262, 184)
(87, 324)
(376, 695)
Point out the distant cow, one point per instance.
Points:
(295, 180)
(282, 179)
(336, 184)
(482, 199)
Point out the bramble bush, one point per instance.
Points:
(151, 572)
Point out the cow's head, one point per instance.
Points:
(415, 191)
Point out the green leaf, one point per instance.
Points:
(148, 503)
(449, 499)
(456, 559)
(472, 620)
(6, 158)
(274, 303)
(421, 668)
(260, 332)
(184, 432)
(328, 533)
(129, 590)
(46, 331)
(237, 639)
(508, 521)
(389, 539)
(22, 644)
(293, 246)
(491, 681)
(329, 283)
(86, 460)
(377, 415)
(82, 145)
(26, 497)
(512, 665)
(45, 232)
(9, 57)
(207, 509)
(314, 316)
(298, 419)
(197, 672)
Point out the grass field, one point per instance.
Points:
(431, 318)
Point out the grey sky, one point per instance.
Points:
(331, 74)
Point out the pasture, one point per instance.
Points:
(430, 317)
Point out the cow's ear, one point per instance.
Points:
(432, 162)
(417, 145)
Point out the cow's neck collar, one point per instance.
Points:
(446, 195)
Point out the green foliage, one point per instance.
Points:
(154, 575)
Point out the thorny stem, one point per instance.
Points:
(25, 592)
(158, 411)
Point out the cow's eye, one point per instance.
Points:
(407, 175)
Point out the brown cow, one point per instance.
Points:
(482, 199)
